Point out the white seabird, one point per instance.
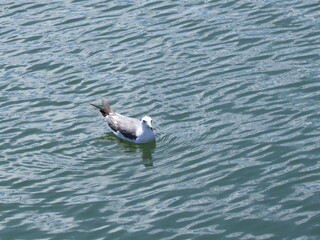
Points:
(127, 128)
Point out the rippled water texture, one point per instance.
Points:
(233, 88)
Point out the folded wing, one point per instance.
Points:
(125, 125)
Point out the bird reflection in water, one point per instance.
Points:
(146, 149)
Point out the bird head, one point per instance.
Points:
(147, 121)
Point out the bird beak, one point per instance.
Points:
(150, 126)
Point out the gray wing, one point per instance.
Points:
(125, 125)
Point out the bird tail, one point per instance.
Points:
(105, 110)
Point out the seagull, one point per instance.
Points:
(127, 128)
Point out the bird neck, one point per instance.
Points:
(144, 129)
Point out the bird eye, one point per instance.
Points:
(144, 121)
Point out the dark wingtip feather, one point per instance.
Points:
(102, 111)
(106, 106)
